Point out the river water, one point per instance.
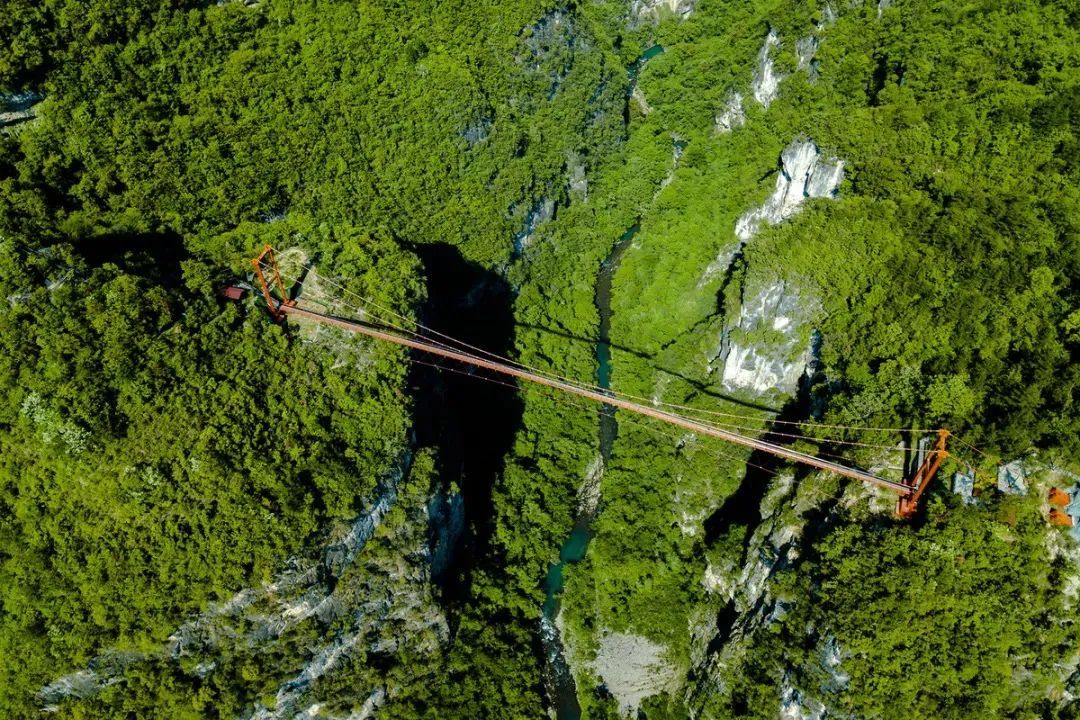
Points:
(558, 679)
(557, 676)
(646, 56)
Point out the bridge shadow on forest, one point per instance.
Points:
(470, 422)
(698, 386)
(743, 507)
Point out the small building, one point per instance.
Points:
(232, 292)
(1059, 518)
(1065, 508)
(1058, 497)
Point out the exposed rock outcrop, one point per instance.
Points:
(769, 347)
(81, 684)
(588, 496)
(19, 107)
(638, 98)
(794, 705)
(733, 115)
(745, 586)
(542, 211)
(768, 350)
(376, 607)
(774, 545)
(477, 131)
(632, 668)
(655, 10)
(805, 49)
(548, 48)
(804, 173)
(766, 84)
(577, 182)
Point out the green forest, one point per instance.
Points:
(837, 225)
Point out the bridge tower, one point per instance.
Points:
(906, 505)
(276, 307)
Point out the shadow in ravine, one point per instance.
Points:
(743, 507)
(471, 422)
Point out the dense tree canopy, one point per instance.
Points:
(161, 450)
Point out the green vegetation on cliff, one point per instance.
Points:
(161, 450)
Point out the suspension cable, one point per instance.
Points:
(561, 378)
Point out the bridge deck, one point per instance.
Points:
(901, 489)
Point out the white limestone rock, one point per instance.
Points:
(794, 705)
(766, 84)
(678, 147)
(745, 368)
(686, 505)
(805, 48)
(828, 16)
(588, 495)
(551, 34)
(540, 213)
(720, 264)
(633, 668)
(804, 174)
(716, 580)
(373, 702)
(639, 99)
(831, 660)
(477, 131)
(548, 50)
(80, 684)
(774, 366)
(385, 604)
(577, 182)
(655, 10)
(733, 115)
(775, 543)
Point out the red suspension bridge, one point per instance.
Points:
(270, 279)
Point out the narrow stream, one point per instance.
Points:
(557, 676)
(646, 56)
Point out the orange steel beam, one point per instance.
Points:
(907, 505)
(272, 306)
(778, 450)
